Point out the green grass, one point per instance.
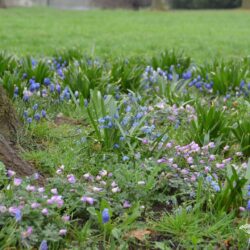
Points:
(196, 230)
(202, 34)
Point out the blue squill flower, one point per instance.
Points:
(58, 88)
(43, 245)
(101, 120)
(128, 109)
(105, 215)
(187, 75)
(31, 81)
(191, 84)
(117, 96)
(209, 178)
(208, 86)
(58, 65)
(52, 87)
(248, 86)
(248, 205)
(125, 121)
(65, 94)
(110, 124)
(24, 76)
(33, 62)
(37, 86)
(35, 107)
(86, 103)
(25, 114)
(18, 215)
(139, 115)
(46, 81)
(170, 77)
(116, 115)
(44, 92)
(37, 117)
(16, 90)
(29, 120)
(125, 158)
(32, 87)
(171, 68)
(215, 186)
(198, 85)
(242, 84)
(135, 124)
(16, 212)
(43, 113)
(60, 73)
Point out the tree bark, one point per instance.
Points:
(11, 160)
(9, 122)
(9, 125)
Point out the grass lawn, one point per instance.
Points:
(201, 34)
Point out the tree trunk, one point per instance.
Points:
(9, 124)
(246, 4)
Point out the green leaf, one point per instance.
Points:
(116, 233)
(92, 211)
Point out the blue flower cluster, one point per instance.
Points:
(248, 194)
(33, 113)
(106, 122)
(151, 78)
(201, 84)
(213, 183)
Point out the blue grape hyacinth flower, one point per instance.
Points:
(43, 245)
(105, 215)
(46, 81)
(248, 205)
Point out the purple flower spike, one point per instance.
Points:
(17, 181)
(88, 200)
(27, 233)
(65, 218)
(11, 173)
(16, 212)
(35, 205)
(126, 204)
(63, 232)
(71, 178)
(45, 211)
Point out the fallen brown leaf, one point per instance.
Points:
(139, 234)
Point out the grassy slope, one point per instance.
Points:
(202, 34)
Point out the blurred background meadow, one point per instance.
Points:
(52, 25)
